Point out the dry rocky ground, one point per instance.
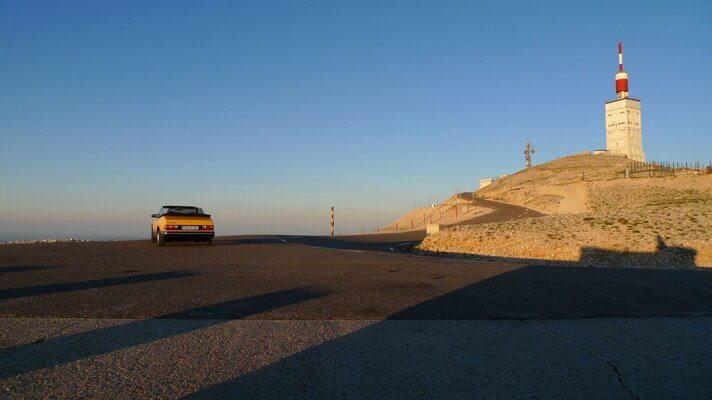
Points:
(597, 217)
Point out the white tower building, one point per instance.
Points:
(623, 128)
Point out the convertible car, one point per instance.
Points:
(182, 223)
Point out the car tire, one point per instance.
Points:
(153, 236)
(160, 239)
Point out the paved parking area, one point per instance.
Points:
(299, 317)
(648, 358)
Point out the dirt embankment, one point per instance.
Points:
(599, 219)
(455, 209)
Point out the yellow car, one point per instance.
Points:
(182, 223)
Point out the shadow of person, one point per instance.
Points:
(664, 256)
(661, 243)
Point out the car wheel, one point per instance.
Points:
(161, 239)
(153, 235)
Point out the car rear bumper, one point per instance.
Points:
(194, 236)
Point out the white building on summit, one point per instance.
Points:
(623, 127)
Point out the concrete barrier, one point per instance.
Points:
(432, 228)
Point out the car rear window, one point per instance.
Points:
(184, 210)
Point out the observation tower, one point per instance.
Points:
(623, 127)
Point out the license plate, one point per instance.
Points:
(190, 228)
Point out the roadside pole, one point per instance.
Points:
(332, 220)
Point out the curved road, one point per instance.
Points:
(395, 241)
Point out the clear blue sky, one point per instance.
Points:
(266, 113)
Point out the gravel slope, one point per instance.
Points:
(663, 222)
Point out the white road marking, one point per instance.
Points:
(329, 248)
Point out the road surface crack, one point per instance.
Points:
(611, 364)
(39, 340)
(57, 332)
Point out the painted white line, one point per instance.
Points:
(329, 248)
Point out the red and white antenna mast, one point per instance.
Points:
(621, 76)
(620, 56)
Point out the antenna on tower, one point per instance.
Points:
(621, 75)
(620, 56)
(528, 151)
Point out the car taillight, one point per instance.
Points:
(206, 227)
(172, 227)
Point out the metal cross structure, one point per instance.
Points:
(528, 151)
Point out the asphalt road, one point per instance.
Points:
(354, 277)
(347, 317)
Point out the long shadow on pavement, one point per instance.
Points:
(91, 284)
(456, 358)
(25, 268)
(65, 349)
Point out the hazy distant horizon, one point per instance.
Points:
(142, 231)
(30, 236)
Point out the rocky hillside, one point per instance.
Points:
(599, 219)
(559, 186)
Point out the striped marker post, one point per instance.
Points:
(332, 220)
